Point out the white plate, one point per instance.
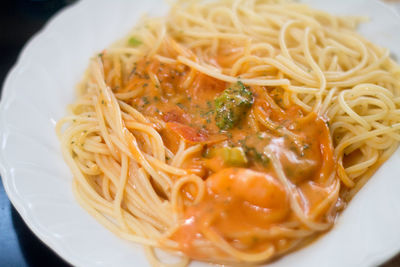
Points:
(38, 182)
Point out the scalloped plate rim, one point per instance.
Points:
(6, 95)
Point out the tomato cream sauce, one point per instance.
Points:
(240, 201)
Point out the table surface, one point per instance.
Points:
(19, 20)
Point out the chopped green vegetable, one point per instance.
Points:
(232, 105)
(133, 41)
(232, 156)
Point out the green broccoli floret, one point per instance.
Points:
(232, 104)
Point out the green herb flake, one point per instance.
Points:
(145, 100)
(133, 41)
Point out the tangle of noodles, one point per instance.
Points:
(231, 131)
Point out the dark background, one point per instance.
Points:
(19, 20)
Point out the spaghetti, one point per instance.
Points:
(231, 131)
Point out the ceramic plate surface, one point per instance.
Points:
(38, 182)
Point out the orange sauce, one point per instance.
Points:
(239, 202)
